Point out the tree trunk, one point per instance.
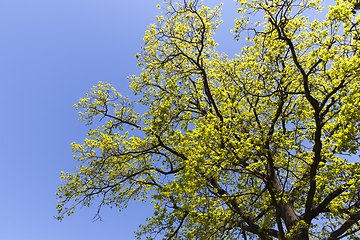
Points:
(302, 234)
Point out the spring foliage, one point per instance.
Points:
(258, 146)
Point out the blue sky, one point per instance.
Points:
(52, 53)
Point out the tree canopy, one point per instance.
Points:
(259, 146)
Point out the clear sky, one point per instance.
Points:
(51, 53)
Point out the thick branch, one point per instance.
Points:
(315, 212)
(346, 225)
(252, 227)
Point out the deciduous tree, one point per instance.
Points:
(259, 146)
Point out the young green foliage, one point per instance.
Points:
(252, 147)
